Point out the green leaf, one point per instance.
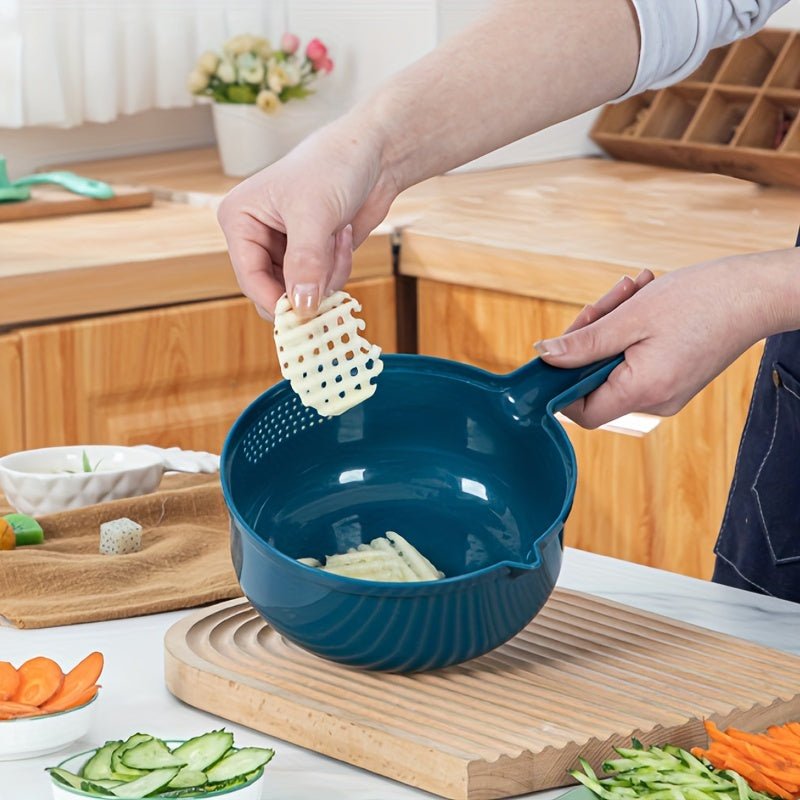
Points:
(87, 467)
(298, 92)
(241, 93)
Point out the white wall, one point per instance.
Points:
(369, 39)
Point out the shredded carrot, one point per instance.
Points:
(769, 762)
(794, 727)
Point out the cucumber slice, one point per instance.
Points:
(152, 754)
(77, 782)
(188, 779)
(106, 783)
(216, 787)
(99, 765)
(95, 789)
(203, 751)
(240, 763)
(120, 769)
(147, 784)
(66, 777)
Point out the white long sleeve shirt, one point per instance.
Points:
(676, 35)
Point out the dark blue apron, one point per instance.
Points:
(759, 543)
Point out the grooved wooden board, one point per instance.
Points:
(53, 201)
(585, 675)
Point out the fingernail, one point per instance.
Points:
(550, 347)
(263, 313)
(305, 299)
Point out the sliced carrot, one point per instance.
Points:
(67, 701)
(9, 680)
(82, 676)
(11, 709)
(39, 679)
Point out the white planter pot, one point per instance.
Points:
(249, 139)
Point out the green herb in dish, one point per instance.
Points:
(86, 465)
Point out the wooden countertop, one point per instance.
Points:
(100, 263)
(568, 230)
(562, 231)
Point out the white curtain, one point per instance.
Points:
(65, 62)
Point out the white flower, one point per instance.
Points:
(208, 62)
(198, 81)
(254, 74)
(268, 101)
(292, 74)
(264, 49)
(226, 72)
(250, 68)
(243, 43)
(277, 76)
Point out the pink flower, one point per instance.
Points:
(316, 51)
(290, 43)
(324, 65)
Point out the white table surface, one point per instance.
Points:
(134, 697)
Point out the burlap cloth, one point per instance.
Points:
(184, 561)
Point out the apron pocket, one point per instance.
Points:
(775, 487)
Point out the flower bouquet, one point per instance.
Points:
(248, 83)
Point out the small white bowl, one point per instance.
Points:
(28, 737)
(247, 791)
(52, 479)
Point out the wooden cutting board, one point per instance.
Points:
(53, 201)
(585, 675)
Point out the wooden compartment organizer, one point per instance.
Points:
(737, 114)
(585, 675)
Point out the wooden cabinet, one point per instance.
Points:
(11, 404)
(171, 376)
(650, 490)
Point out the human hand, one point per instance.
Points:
(677, 333)
(293, 226)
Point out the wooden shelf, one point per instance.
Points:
(738, 114)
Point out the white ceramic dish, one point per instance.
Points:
(247, 791)
(28, 737)
(52, 479)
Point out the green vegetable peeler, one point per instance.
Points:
(11, 191)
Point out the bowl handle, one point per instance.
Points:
(176, 460)
(540, 386)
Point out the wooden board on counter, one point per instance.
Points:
(585, 675)
(173, 175)
(52, 201)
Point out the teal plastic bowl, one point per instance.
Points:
(471, 467)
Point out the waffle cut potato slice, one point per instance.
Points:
(389, 558)
(329, 364)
